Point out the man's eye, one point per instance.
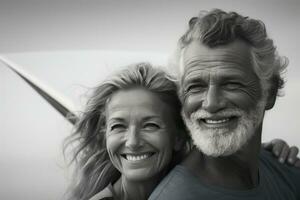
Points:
(151, 126)
(117, 127)
(195, 87)
(232, 85)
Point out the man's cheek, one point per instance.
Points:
(251, 95)
(244, 99)
(191, 104)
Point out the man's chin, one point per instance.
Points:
(219, 143)
(214, 148)
(215, 151)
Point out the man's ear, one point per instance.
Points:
(272, 94)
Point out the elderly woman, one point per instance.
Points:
(130, 136)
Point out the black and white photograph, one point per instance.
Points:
(158, 100)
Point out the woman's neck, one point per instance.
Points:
(125, 189)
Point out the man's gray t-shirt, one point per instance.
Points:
(277, 182)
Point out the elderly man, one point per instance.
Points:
(229, 74)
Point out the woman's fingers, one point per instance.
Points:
(297, 163)
(276, 146)
(292, 157)
(284, 153)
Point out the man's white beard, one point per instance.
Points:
(224, 141)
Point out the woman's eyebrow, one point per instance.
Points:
(154, 118)
(116, 119)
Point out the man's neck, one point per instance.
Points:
(238, 171)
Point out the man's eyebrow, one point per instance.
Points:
(151, 117)
(195, 79)
(233, 75)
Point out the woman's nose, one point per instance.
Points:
(133, 140)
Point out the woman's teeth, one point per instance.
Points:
(137, 157)
(219, 121)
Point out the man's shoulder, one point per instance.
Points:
(269, 162)
(283, 176)
(278, 181)
(180, 184)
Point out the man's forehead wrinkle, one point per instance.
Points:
(194, 74)
(215, 70)
(211, 60)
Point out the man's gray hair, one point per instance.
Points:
(217, 28)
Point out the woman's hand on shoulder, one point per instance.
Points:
(283, 151)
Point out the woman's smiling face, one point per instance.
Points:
(140, 133)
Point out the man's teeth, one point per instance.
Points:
(139, 157)
(211, 121)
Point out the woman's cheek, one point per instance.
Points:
(113, 144)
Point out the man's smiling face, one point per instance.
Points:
(222, 96)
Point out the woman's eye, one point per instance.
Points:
(151, 126)
(117, 127)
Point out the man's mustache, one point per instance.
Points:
(229, 112)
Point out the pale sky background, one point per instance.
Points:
(72, 45)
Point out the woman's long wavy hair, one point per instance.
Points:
(93, 168)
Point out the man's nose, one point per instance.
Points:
(213, 100)
(133, 140)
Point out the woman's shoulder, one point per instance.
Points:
(105, 194)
